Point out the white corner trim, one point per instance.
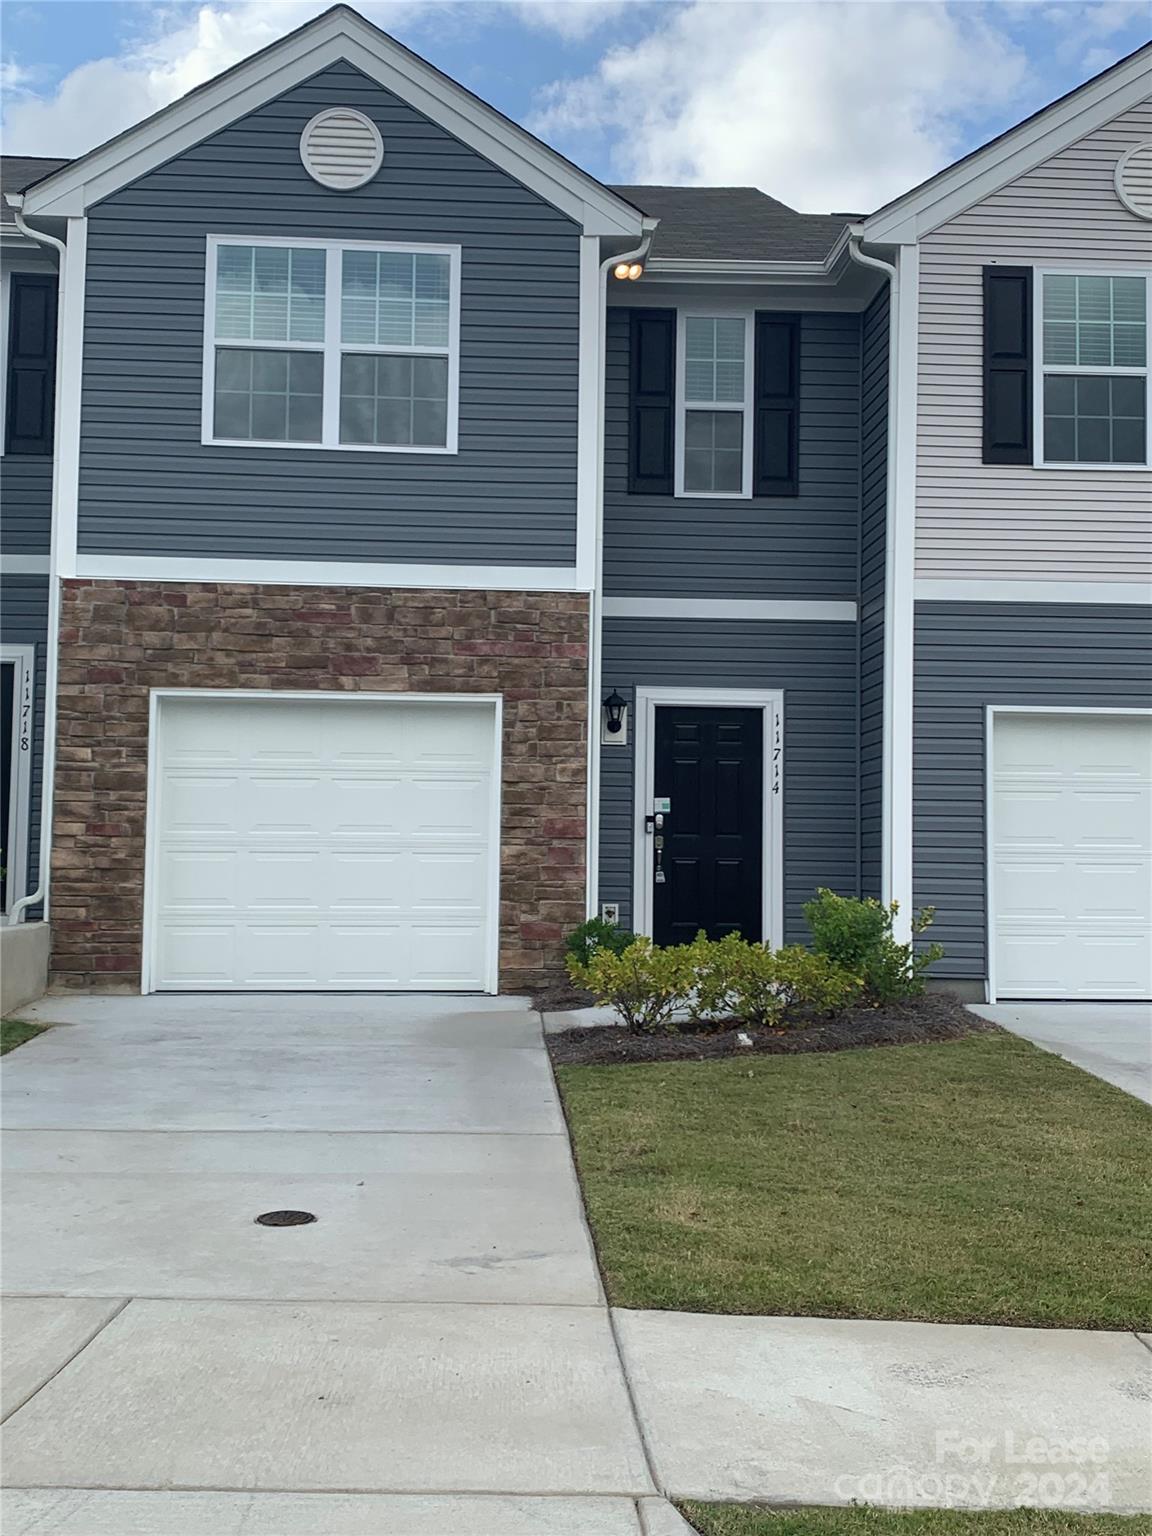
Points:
(589, 427)
(335, 573)
(23, 659)
(713, 608)
(771, 702)
(1011, 591)
(25, 565)
(335, 36)
(158, 696)
(69, 377)
(899, 589)
(959, 187)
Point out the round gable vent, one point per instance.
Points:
(341, 149)
(1134, 180)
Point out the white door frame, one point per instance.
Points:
(157, 696)
(991, 711)
(770, 701)
(23, 659)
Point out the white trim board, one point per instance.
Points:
(156, 699)
(765, 609)
(25, 565)
(23, 659)
(337, 35)
(991, 711)
(771, 702)
(335, 573)
(69, 379)
(1014, 153)
(991, 591)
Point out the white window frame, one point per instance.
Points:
(22, 658)
(683, 405)
(770, 702)
(332, 348)
(1042, 370)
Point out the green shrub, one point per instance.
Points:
(714, 966)
(644, 984)
(765, 987)
(813, 983)
(857, 935)
(596, 934)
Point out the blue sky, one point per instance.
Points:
(826, 103)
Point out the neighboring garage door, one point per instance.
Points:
(323, 844)
(1071, 837)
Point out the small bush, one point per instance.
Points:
(813, 983)
(857, 935)
(596, 934)
(644, 984)
(714, 966)
(765, 987)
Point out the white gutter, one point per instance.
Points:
(596, 611)
(899, 574)
(52, 640)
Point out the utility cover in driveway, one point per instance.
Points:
(1072, 855)
(323, 844)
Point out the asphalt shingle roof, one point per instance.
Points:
(733, 224)
(20, 171)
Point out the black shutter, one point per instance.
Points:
(776, 418)
(1007, 365)
(651, 389)
(31, 363)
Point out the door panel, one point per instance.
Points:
(709, 762)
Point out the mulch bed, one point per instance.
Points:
(917, 1021)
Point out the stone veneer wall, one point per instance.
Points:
(119, 639)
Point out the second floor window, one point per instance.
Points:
(1094, 377)
(714, 455)
(332, 345)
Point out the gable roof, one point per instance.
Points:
(1014, 152)
(338, 34)
(733, 224)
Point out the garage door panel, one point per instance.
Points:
(1072, 856)
(349, 874)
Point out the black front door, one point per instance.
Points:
(709, 869)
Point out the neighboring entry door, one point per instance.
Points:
(709, 764)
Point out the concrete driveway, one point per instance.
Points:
(431, 1354)
(1110, 1040)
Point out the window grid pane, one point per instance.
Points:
(395, 298)
(1095, 322)
(1094, 419)
(269, 293)
(714, 359)
(714, 452)
(394, 400)
(268, 396)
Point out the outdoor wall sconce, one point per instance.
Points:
(614, 724)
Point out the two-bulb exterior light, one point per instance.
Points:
(628, 271)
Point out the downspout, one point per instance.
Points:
(52, 641)
(596, 611)
(892, 273)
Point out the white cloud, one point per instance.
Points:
(827, 106)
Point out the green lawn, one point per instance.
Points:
(14, 1032)
(756, 1520)
(982, 1181)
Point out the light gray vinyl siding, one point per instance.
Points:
(815, 664)
(873, 516)
(26, 497)
(24, 621)
(970, 655)
(801, 546)
(976, 520)
(148, 485)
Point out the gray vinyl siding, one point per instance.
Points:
(873, 529)
(148, 485)
(801, 546)
(815, 665)
(24, 621)
(26, 497)
(970, 655)
(977, 520)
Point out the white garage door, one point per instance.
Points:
(1072, 855)
(323, 844)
